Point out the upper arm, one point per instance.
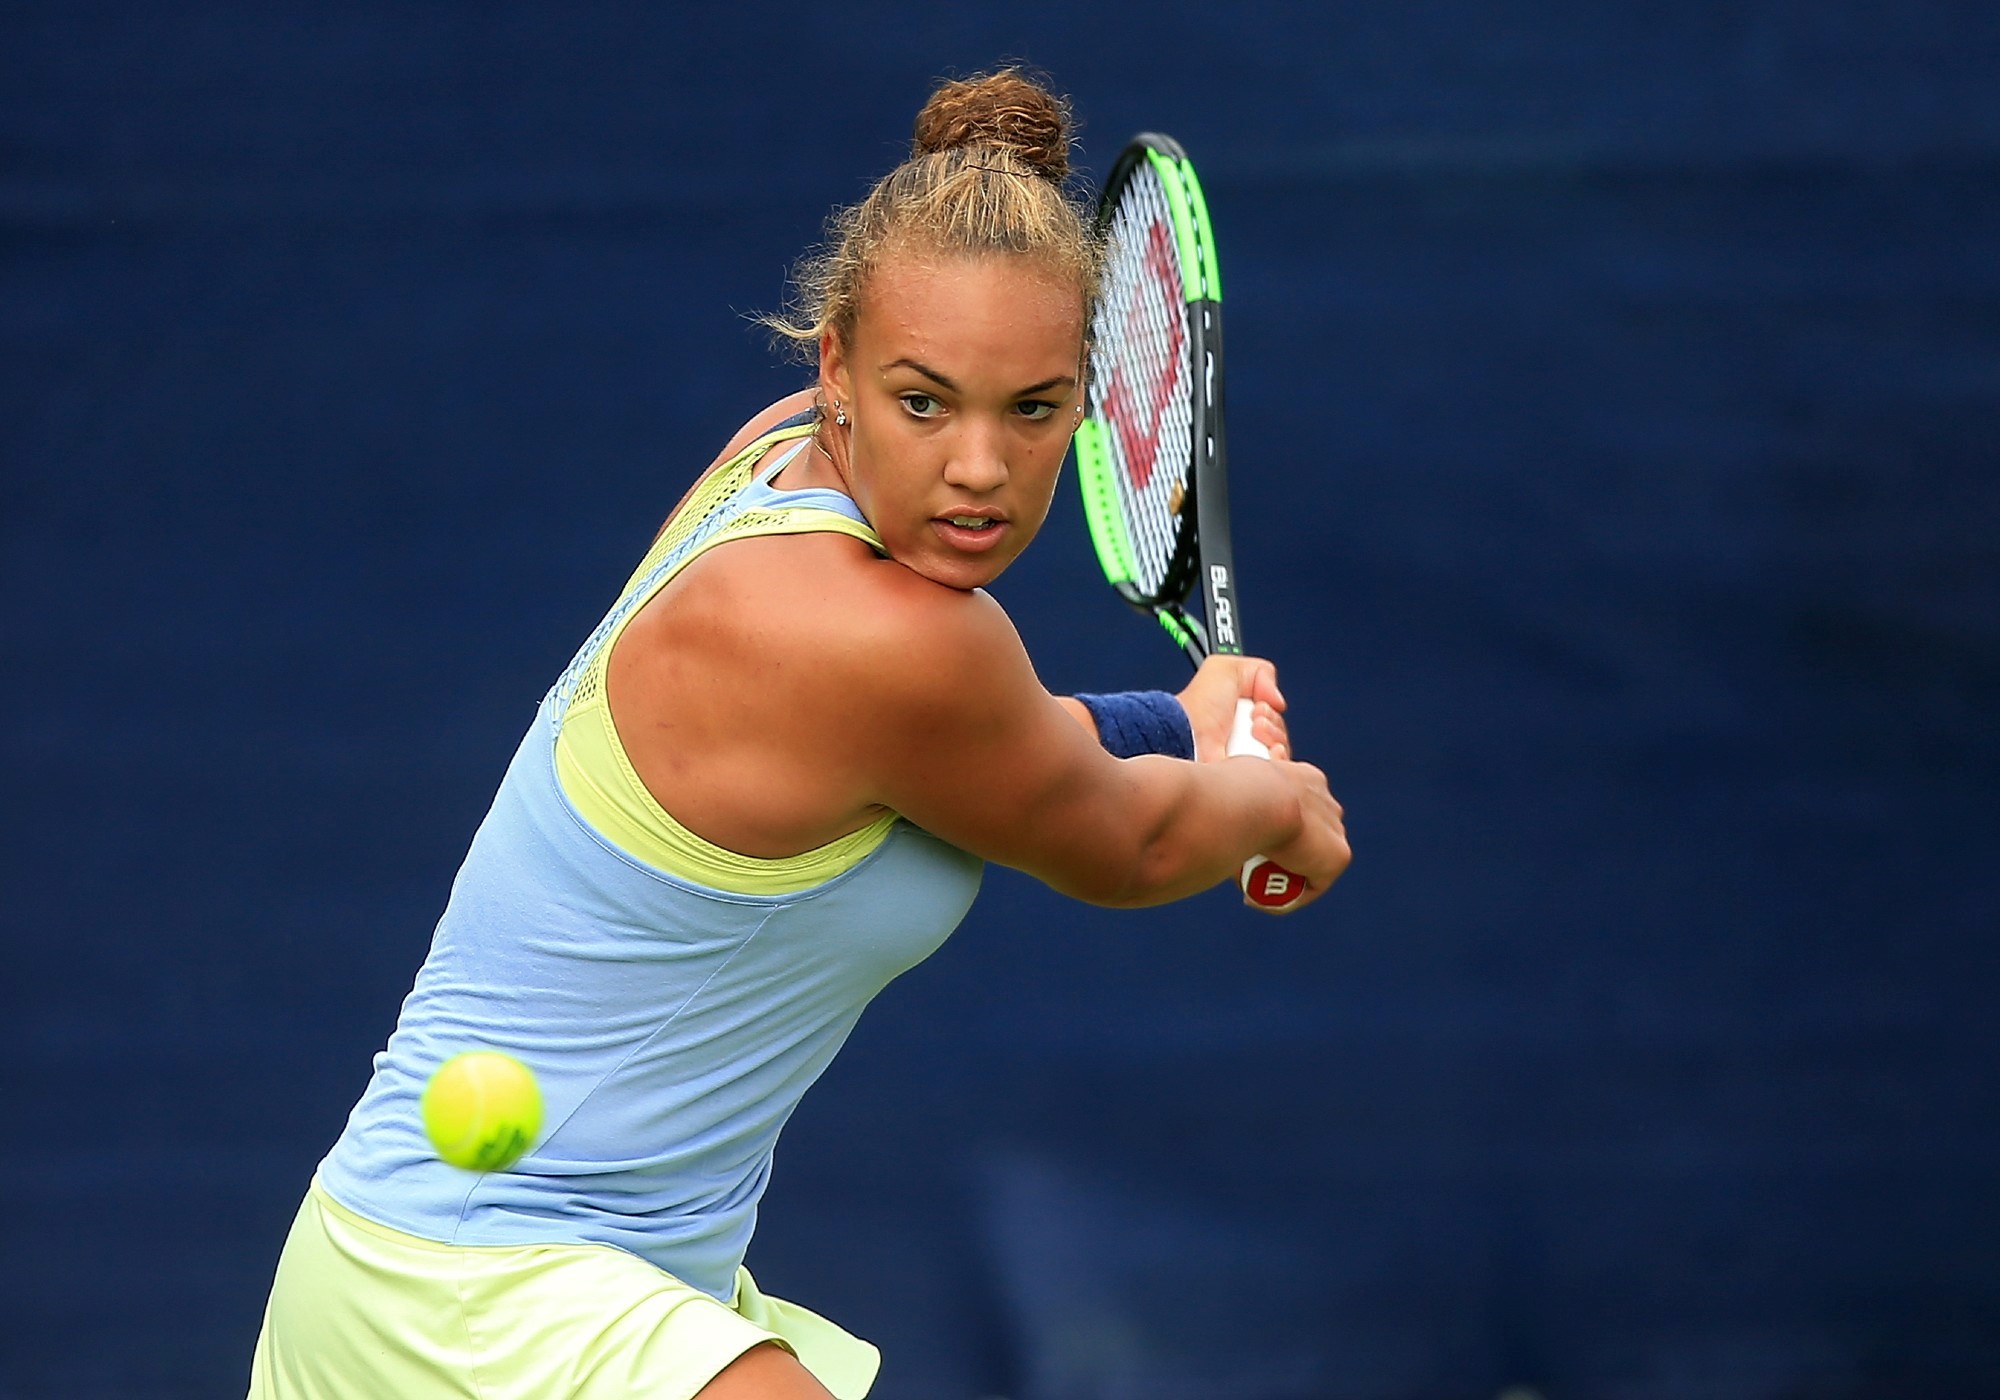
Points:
(953, 730)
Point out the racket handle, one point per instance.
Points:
(1265, 883)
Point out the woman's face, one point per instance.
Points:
(961, 387)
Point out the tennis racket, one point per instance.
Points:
(1149, 452)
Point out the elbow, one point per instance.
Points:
(1154, 872)
(1141, 854)
(1107, 888)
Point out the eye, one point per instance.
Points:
(1034, 410)
(921, 405)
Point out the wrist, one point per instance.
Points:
(1277, 813)
(1134, 722)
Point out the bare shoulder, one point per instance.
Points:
(772, 694)
(827, 606)
(923, 636)
(829, 649)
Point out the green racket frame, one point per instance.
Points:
(1202, 553)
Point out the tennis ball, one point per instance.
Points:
(482, 1109)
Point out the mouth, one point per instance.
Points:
(970, 532)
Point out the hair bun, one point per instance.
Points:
(1007, 110)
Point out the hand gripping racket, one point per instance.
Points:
(1149, 452)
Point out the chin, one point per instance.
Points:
(962, 574)
(965, 578)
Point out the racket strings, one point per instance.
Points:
(1140, 368)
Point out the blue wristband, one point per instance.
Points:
(1133, 722)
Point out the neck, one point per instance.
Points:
(828, 459)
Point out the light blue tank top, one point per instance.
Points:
(673, 1026)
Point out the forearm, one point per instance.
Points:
(1076, 711)
(1198, 823)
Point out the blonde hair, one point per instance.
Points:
(988, 172)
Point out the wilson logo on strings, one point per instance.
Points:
(1153, 328)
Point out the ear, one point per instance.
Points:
(836, 381)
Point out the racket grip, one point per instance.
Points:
(1265, 883)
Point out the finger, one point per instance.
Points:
(1271, 734)
(1264, 685)
(1268, 719)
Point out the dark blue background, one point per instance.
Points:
(1613, 399)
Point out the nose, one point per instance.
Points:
(978, 460)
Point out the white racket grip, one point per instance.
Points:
(1241, 740)
(1264, 883)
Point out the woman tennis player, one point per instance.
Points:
(765, 786)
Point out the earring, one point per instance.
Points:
(839, 415)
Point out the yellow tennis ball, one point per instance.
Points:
(482, 1109)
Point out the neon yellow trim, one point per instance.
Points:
(1169, 172)
(1179, 633)
(1210, 273)
(596, 773)
(1100, 503)
(600, 783)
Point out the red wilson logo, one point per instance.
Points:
(1271, 886)
(1143, 386)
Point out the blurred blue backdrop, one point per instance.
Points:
(1613, 399)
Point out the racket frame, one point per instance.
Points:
(1202, 555)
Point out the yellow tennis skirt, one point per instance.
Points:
(362, 1311)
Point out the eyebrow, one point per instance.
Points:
(1041, 386)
